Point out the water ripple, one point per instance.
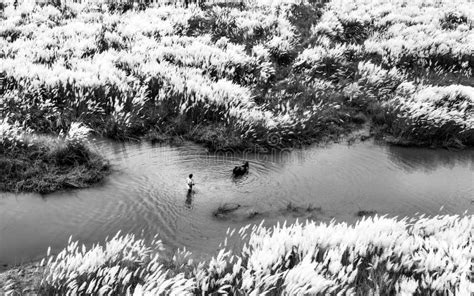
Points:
(147, 193)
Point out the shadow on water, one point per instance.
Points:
(412, 159)
(147, 193)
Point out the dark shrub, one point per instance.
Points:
(354, 31)
(451, 20)
(198, 25)
(10, 34)
(304, 16)
(359, 118)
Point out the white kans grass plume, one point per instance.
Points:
(13, 135)
(78, 132)
(422, 256)
(435, 111)
(10, 132)
(123, 265)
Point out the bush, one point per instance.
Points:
(375, 84)
(332, 63)
(303, 17)
(281, 50)
(452, 19)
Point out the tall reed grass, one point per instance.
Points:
(258, 69)
(433, 114)
(375, 256)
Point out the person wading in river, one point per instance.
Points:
(190, 183)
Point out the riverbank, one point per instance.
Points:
(219, 138)
(377, 255)
(236, 77)
(45, 164)
(25, 279)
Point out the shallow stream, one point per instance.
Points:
(147, 192)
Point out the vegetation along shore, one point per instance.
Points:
(376, 256)
(44, 164)
(233, 76)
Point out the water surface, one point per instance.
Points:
(147, 193)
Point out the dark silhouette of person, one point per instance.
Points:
(190, 183)
(189, 194)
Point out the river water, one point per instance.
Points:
(146, 193)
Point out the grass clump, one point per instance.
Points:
(44, 164)
(375, 256)
(433, 115)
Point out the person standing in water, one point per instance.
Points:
(190, 183)
(189, 195)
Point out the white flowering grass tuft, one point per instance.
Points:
(11, 135)
(375, 256)
(78, 132)
(124, 265)
(434, 113)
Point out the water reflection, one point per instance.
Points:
(189, 199)
(147, 193)
(412, 159)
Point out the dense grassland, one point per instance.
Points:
(236, 76)
(376, 256)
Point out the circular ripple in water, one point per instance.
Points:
(147, 193)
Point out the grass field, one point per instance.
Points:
(233, 76)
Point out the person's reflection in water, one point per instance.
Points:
(189, 199)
